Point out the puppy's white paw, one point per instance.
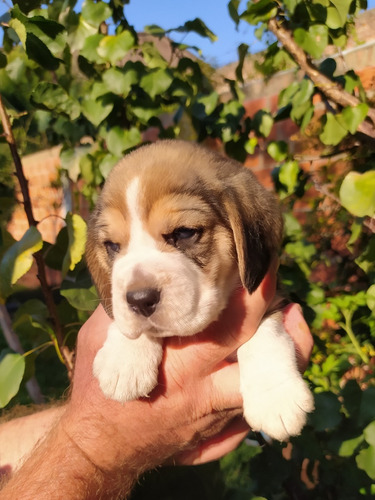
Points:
(279, 411)
(127, 369)
(276, 398)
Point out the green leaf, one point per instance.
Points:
(196, 26)
(120, 81)
(370, 298)
(314, 41)
(90, 48)
(259, 12)
(155, 30)
(96, 110)
(242, 53)
(342, 7)
(288, 176)
(95, 12)
(366, 461)
(205, 105)
(12, 368)
(263, 122)
(18, 259)
(3, 60)
(83, 299)
(349, 446)
(20, 29)
(357, 193)
(119, 140)
(233, 10)
(80, 294)
(112, 48)
(278, 150)
(352, 117)
(77, 241)
(327, 412)
(53, 97)
(156, 82)
(333, 132)
(40, 53)
(369, 433)
(250, 145)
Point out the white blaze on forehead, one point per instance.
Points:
(139, 239)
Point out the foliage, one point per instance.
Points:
(85, 80)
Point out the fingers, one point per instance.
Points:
(297, 328)
(216, 447)
(225, 387)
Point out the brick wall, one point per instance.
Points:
(41, 171)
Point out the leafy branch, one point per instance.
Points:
(329, 88)
(66, 354)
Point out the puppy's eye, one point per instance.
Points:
(183, 236)
(111, 247)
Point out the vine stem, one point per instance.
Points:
(67, 355)
(347, 326)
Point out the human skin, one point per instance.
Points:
(97, 448)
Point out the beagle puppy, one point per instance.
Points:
(176, 229)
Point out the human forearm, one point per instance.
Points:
(59, 469)
(19, 436)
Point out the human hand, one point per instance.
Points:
(194, 414)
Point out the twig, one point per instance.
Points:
(66, 353)
(14, 343)
(328, 87)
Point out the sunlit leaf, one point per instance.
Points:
(96, 110)
(263, 122)
(357, 193)
(95, 12)
(12, 368)
(369, 433)
(112, 48)
(156, 82)
(366, 461)
(352, 117)
(258, 12)
(77, 240)
(119, 140)
(278, 150)
(18, 259)
(314, 40)
(333, 131)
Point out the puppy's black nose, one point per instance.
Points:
(143, 301)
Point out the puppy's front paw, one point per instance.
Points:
(279, 411)
(127, 369)
(276, 398)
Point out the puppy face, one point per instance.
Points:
(176, 229)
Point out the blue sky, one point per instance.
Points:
(214, 13)
(173, 13)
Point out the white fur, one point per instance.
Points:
(275, 397)
(118, 368)
(188, 303)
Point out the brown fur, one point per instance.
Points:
(242, 223)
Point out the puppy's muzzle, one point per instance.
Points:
(143, 301)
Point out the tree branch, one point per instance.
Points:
(46, 290)
(329, 88)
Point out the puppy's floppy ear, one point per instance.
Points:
(97, 262)
(256, 222)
